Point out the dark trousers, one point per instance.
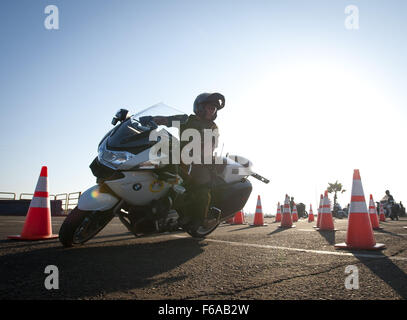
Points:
(197, 199)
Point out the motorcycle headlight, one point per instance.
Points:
(113, 159)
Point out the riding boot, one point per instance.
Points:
(200, 205)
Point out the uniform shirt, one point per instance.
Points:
(193, 122)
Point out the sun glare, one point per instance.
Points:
(319, 121)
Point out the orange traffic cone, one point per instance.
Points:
(374, 220)
(311, 214)
(382, 216)
(258, 216)
(37, 225)
(229, 221)
(319, 213)
(360, 233)
(239, 218)
(295, 213)
(327, 222)
(286, 220)
(278, 215)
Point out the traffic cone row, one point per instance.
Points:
(37, 225)
(361, 222)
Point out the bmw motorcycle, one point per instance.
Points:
(140, 188)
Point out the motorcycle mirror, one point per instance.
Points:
(121, 115)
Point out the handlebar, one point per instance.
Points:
(147, 121)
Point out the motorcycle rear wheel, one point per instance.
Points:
(201, 231)
(81, 226)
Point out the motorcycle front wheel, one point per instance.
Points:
(81, 226)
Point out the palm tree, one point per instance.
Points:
(335, 188)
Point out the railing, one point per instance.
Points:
(71, 197)
(69, 200)
(8, 196)
(29, 195)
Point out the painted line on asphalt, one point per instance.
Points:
(334, 253)
(375, 233)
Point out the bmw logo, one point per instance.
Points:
(137, 187)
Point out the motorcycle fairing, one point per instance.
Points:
(95, 200)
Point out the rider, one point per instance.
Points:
(198, 176)
(389, 202)
(389, 197)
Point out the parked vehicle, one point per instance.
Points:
(302, 213)
(338, 212)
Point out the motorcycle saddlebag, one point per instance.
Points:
(231, 197)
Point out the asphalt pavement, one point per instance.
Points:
(236, 262)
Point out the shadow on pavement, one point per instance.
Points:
(390, 233)
(22, 244)
(244, 228)
(88, 271)
(278, 230)
(386, 270)
(328, 235)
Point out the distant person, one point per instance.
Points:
(389, 197)
(292, 203)
(389, 204)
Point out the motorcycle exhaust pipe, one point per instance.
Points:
(117, 208)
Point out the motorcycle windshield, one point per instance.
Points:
(133, 137)
(159, 109)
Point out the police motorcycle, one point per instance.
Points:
(140, 188)
(391, 209)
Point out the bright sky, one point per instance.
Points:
(307, 101)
